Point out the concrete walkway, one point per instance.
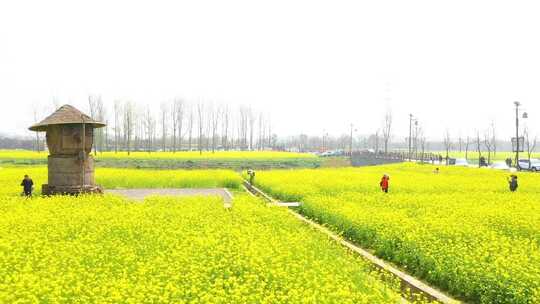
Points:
(140, 194)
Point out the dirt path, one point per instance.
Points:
(140, 194)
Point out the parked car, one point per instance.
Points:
(327, 154)
(499, 165)
(461, 162)
(532, 165)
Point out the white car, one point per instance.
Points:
(327, 154)
(532, 165)
(500, 165)
(462, 162)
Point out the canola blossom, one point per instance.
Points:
(461, 230)
(180, 155)
(112, 178)
(104, 249)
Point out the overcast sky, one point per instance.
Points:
(314, 65)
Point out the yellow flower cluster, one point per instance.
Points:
(461, 229)
(113, 178)
(184, 155)
(103, 249)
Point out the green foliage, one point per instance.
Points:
(236, 160)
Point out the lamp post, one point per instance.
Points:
(325, 135)
(351, 140)
(350, 144)
(411, 119)
(416, 139)
(518, 104)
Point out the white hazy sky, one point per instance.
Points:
(314, 65)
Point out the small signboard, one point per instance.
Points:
(521, 144)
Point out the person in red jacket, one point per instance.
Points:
(384, 183)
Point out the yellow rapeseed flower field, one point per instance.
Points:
(184, 155)
(118, 178)
(461, 229)
(104, 249)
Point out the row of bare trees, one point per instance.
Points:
(205, 126)
(486, 141)
(179, 126)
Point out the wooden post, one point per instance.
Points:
(83, 152)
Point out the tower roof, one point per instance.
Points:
(66, 114)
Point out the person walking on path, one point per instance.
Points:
(385, 183)
(251, 174)
(513, 183)
(28, 185)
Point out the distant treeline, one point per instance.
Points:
(17, 143)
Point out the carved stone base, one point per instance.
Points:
(70, 190)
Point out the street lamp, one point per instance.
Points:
(325, 135)
(351, 140)
(524, 116)
(411, 120)
(416, 139)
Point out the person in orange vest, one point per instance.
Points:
(384, 183)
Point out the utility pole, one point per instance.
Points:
(518, 104)
(410, 134)
(351, 140)
(323, 149)
(416, 139)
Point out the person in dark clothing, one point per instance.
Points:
(251, 174)
(28, 185)
(513, 183)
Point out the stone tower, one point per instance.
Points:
(69, 139)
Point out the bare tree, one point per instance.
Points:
(530, 143)
(377, 141)
(494, 138)
(214, 121)
(37, 144)
(190, 127)
(225, 116)
(488, 144)
(387, 129)
(490, 141)
(128, 125)
(467, 142)
(251, 118)
(422, 144)
(415, 139)
(164, 125)
(479, 147)
(243, 126)
(102, 132)
(149, 126)
(97, 112)
(272, 140)
(177, 121)
(174, 121)
(139, 128)
(55, 103)
(117, 127)
(447, 144)
(200, 116)
(261, 130)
